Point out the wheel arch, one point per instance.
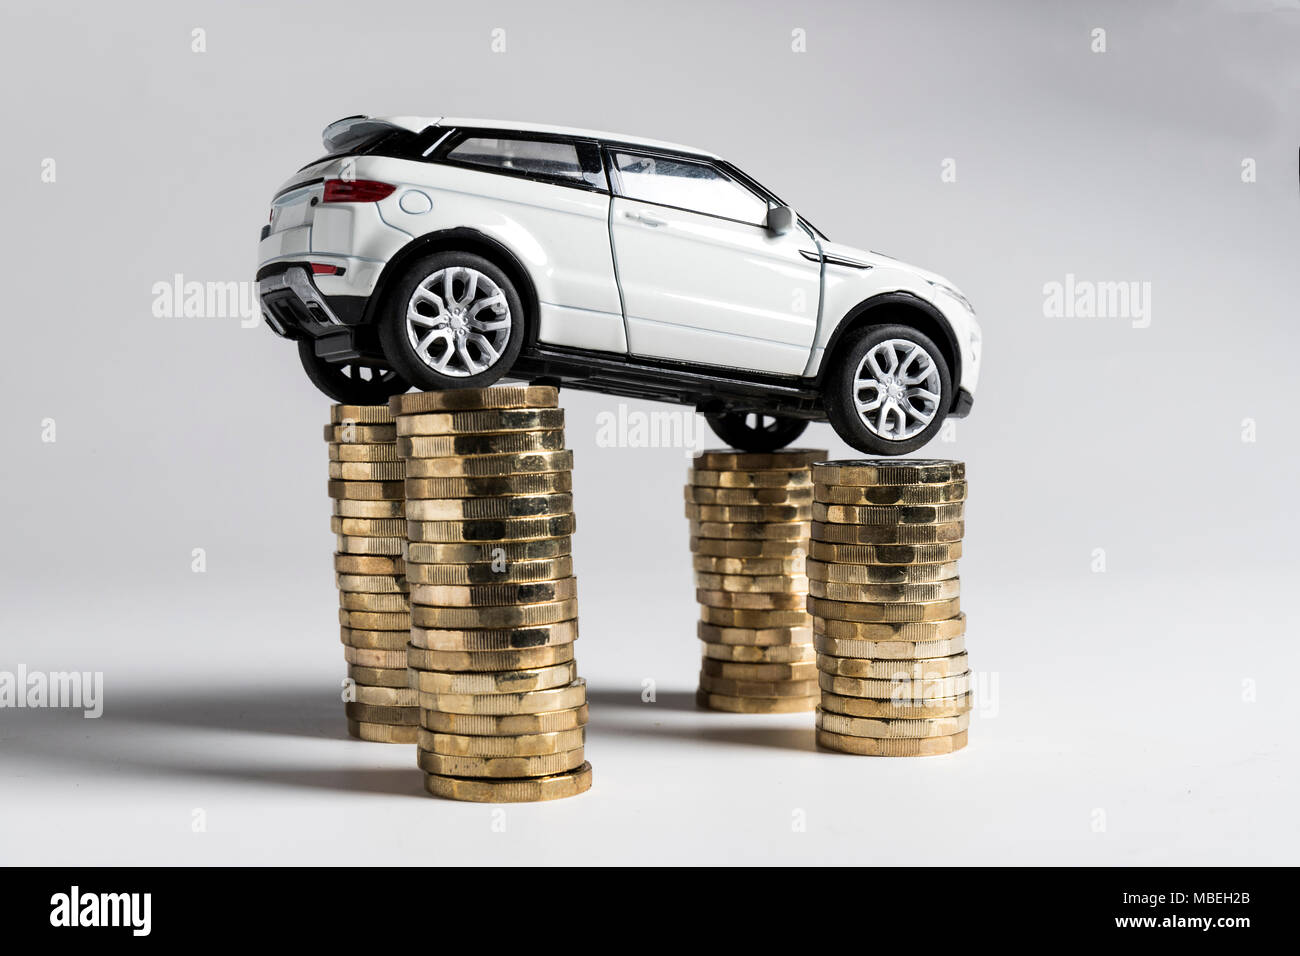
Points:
(897, 308)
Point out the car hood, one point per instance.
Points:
(881, 261)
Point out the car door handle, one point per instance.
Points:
(643, 218)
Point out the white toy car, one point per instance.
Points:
(449, 253)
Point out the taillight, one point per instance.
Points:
(355, 190)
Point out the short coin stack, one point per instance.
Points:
(369, 522)
(494, 610)
(884, 595)
(750, 515)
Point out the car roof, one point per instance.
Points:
(418, 123)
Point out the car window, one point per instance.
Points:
(688, 185)
(533, 157)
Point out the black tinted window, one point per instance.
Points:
(529, 157)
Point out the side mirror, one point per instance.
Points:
(780, 220)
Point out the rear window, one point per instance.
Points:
(527, 157)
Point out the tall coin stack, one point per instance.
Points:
(369, 523)
(494, 610)
(884, 595)
(750, 515)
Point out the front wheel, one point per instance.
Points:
(754, 431)
(888, 391)
(350, 383)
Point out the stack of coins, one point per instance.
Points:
(750, 515)
(494, 610)
(366, 474)
(884, 595)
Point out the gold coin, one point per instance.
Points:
(474, 399)
(751, 530)
(891, 630)
(892, 746)
(503, 443)
(885, 553)
(529, 702)
(539, 766)
(554, 787)
(361, 433)
(890, 494)
(892, 668)
(360, 544)
(800, 496)
(888, 534)
(756, 600)
(889, 471)
(514, 745)
(872, 727)
(880, 573)
(368, 564)
(745, 617)
(732, 548)
(760, 513)
(382, 733)
(384, 508)
(502, 682)
(766, 566)
(483, 466)
(504, 724)
(371, 583)
(491, 529)
(752, 584)
(494, 639)
(899, 611)
(379, 676)
(914, 689)
(883, 593)
(368, 490)
(726, 459)
(543, 483)
(897, 709)
(748, 654)
(515, 506)
(743, 671)
(487, 595)
(385, 696)
(489, 552)
(380, 714)
(523, 615)
(375, 620)
(778, 478)
(507, 572)
(422, 659)
(889, 514)
(369, 527)
(754, 636)
(375, 640)
(352, 451)
(369, 657)
(754, 705)
(481, 422)
(361, 414)
(757, 688)
(888, 650)
(368, 470)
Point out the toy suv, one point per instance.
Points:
(450, 253)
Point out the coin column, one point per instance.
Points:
(750, 516)
(494, 610)
(366, 484)
(884, 594)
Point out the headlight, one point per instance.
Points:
(942, 287)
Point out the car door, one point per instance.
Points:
(702, 278)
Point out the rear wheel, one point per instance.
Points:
(755, 431)
(350, 383)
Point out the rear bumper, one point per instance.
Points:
(295, 308)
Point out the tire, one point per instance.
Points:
(350, 383)
(753, 431)
(458, 347)
(861, 371)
